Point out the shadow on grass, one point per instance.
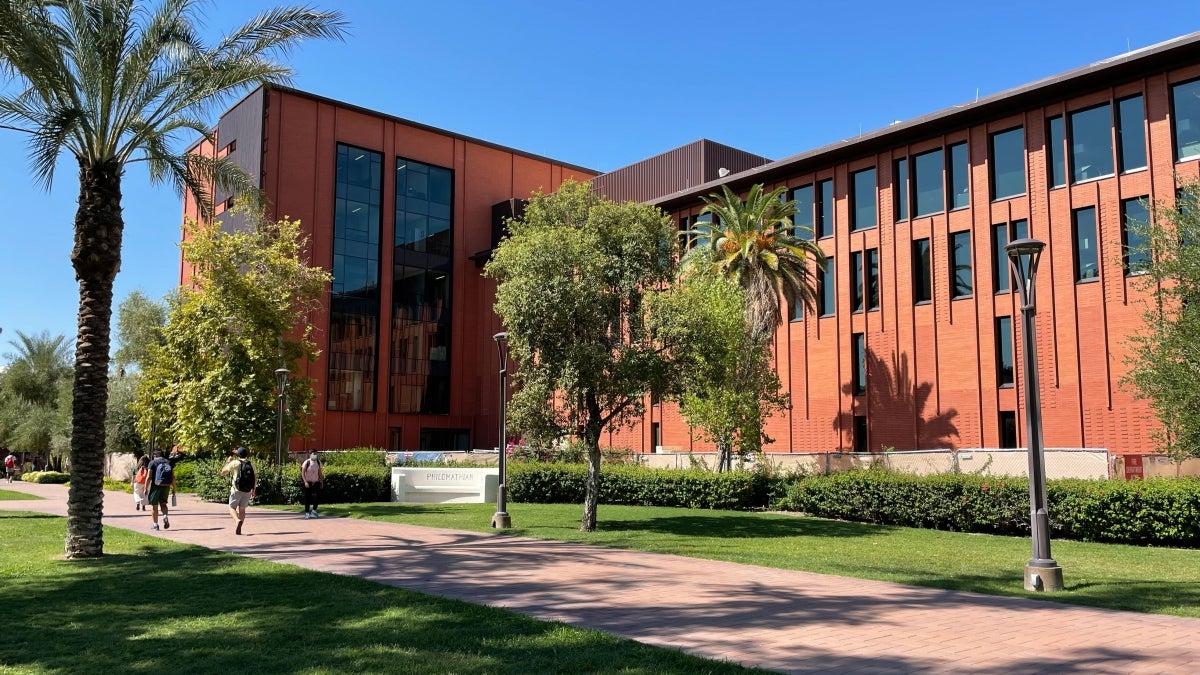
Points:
(746, 526)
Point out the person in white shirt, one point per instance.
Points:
(313, 475)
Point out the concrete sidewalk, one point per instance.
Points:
(777, 619)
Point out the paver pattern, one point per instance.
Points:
(796, 622)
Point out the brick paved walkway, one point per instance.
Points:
(781, 620)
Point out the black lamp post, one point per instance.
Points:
(501, 519)
(281, 377)
(1042, 573)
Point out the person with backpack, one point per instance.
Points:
(141, 483)
(10, 466)
(313, 475)
(245, 483)
(162, 485)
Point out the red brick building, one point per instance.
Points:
(915, 342)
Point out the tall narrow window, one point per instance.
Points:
(960, 176)
(1091, 143)
(656, 436)
(928, 178)
(1020, 229)
(856, 281)
(354, 301)
(1004, 351)
(1131, 129)
(702, 226)
(685, 224)
(421, 281)
(860, 433)
(859, 343)
(1001, 273)
(803, 220)
(1008, 163)
(873, 278)
(1134, 221)
(825, 209)
(1008, 429)
(862, 186)
(826, 299)
(960, 273)
(1054, 153)
(1185, 109)
(922, 272)
(1087, 258)
(900, 193)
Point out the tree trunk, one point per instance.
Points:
(591, 436)
(96, 258)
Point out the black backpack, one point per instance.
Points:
(244, 481)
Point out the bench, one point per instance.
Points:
(444, 485)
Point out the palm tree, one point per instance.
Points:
(753, 243)
(113, 82)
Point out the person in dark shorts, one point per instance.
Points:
(243, 486)
(312, 473)
(162, 486)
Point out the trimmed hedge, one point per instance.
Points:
(46, 477)
(640, 486)
(344, 484)
(1155, 511)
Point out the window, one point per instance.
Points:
(701, 227)
(859, 345)
(1131, 130)
(1134, 220)
(873, 278)
(900, 194)
(862, 188)
(803, 220)
(960, 273)
(960, 176)
(1087, 260)
(354, 301)
(1185, 106)
(1054, 153)
(421, 282)
(395, 437)
(928, 179)
(1004, 351)
(825, 210)
(446, 440)
(922, 272)
(856, 281)
(656, 436)
(826, 300)
(1008, 163)
(684, 226)
(860, 433)
(1008, 429)
(1091, 143)
(1002, 235)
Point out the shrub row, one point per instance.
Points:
(641, 486)
(46, 477)
(1156, 511)
(344, 483)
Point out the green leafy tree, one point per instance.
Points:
(110, 83)
(34, 413)
(573, 278)
(1165, 357)
(753, 243)
(139, 325)
(121, 432)
(721, 388)
(210, 384)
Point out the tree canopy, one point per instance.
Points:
(574, 274)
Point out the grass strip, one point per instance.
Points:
(13, 494)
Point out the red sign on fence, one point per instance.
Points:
(1133, 467)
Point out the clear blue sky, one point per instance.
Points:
(602, 85)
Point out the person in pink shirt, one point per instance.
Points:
(313, 475)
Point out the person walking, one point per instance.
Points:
(161, 475)
(141, 483)
(243, 486)
(312, 472)
(10, 466)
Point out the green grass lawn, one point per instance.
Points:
(1156, 580)
(13, 494)
(154, 606)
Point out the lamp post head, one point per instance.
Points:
(1023, 257)
(502, 347)
(281, 378)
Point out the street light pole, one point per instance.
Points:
(1042, 573)
(501, 519)
(281, 378)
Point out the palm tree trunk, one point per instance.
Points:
(96, 259)
(591, 436)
